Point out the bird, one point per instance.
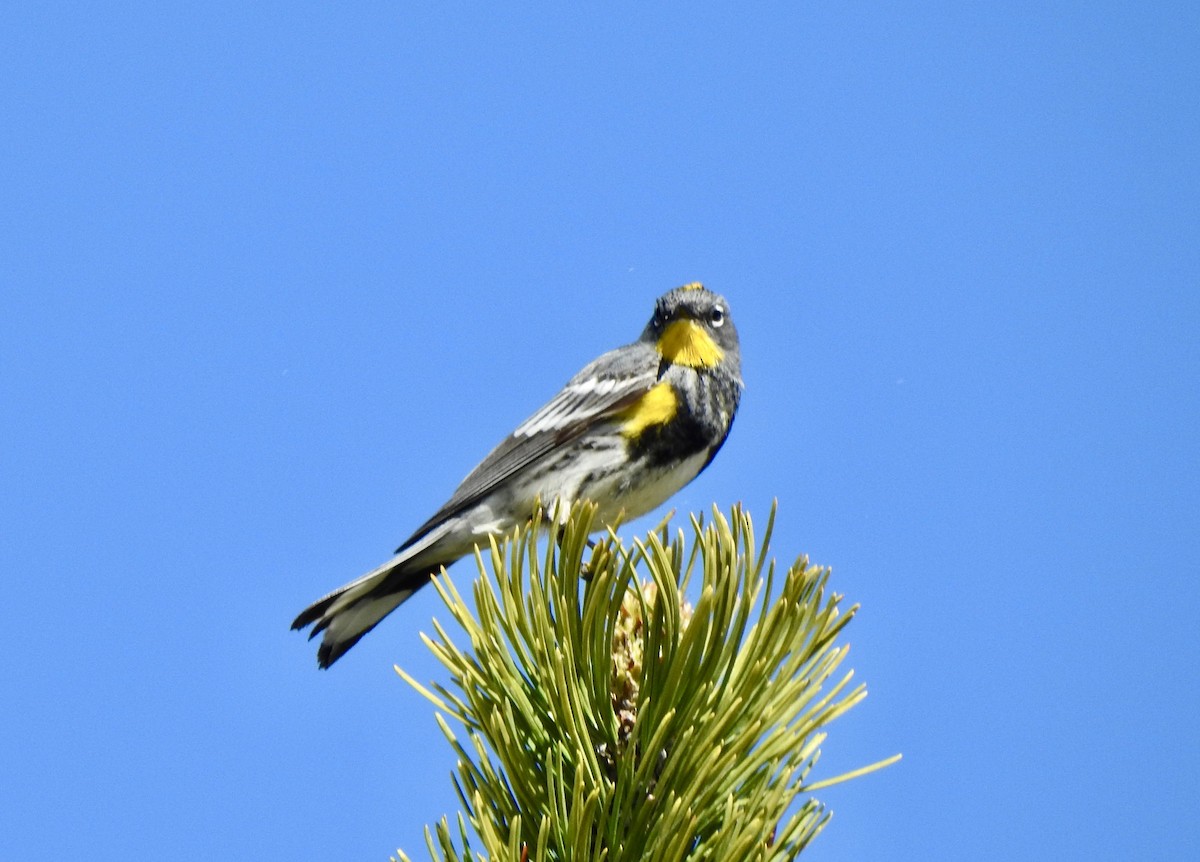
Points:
(626, 433)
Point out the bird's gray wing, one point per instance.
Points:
(603, 388)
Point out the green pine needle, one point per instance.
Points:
(607, 718)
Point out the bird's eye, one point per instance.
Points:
(717, 316)
(661, 316)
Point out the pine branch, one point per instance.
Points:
(607, 718)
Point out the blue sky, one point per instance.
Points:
(275, 276)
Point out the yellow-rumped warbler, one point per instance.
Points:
(626, 432)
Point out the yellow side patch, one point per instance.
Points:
(685, 342)
(657, 406)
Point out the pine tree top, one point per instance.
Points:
(609, 718)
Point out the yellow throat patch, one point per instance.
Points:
(657, 406)
(685, 342)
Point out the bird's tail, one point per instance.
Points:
(349, 612)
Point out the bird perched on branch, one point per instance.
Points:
(626, 432)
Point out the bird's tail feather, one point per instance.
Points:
(350, 611)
